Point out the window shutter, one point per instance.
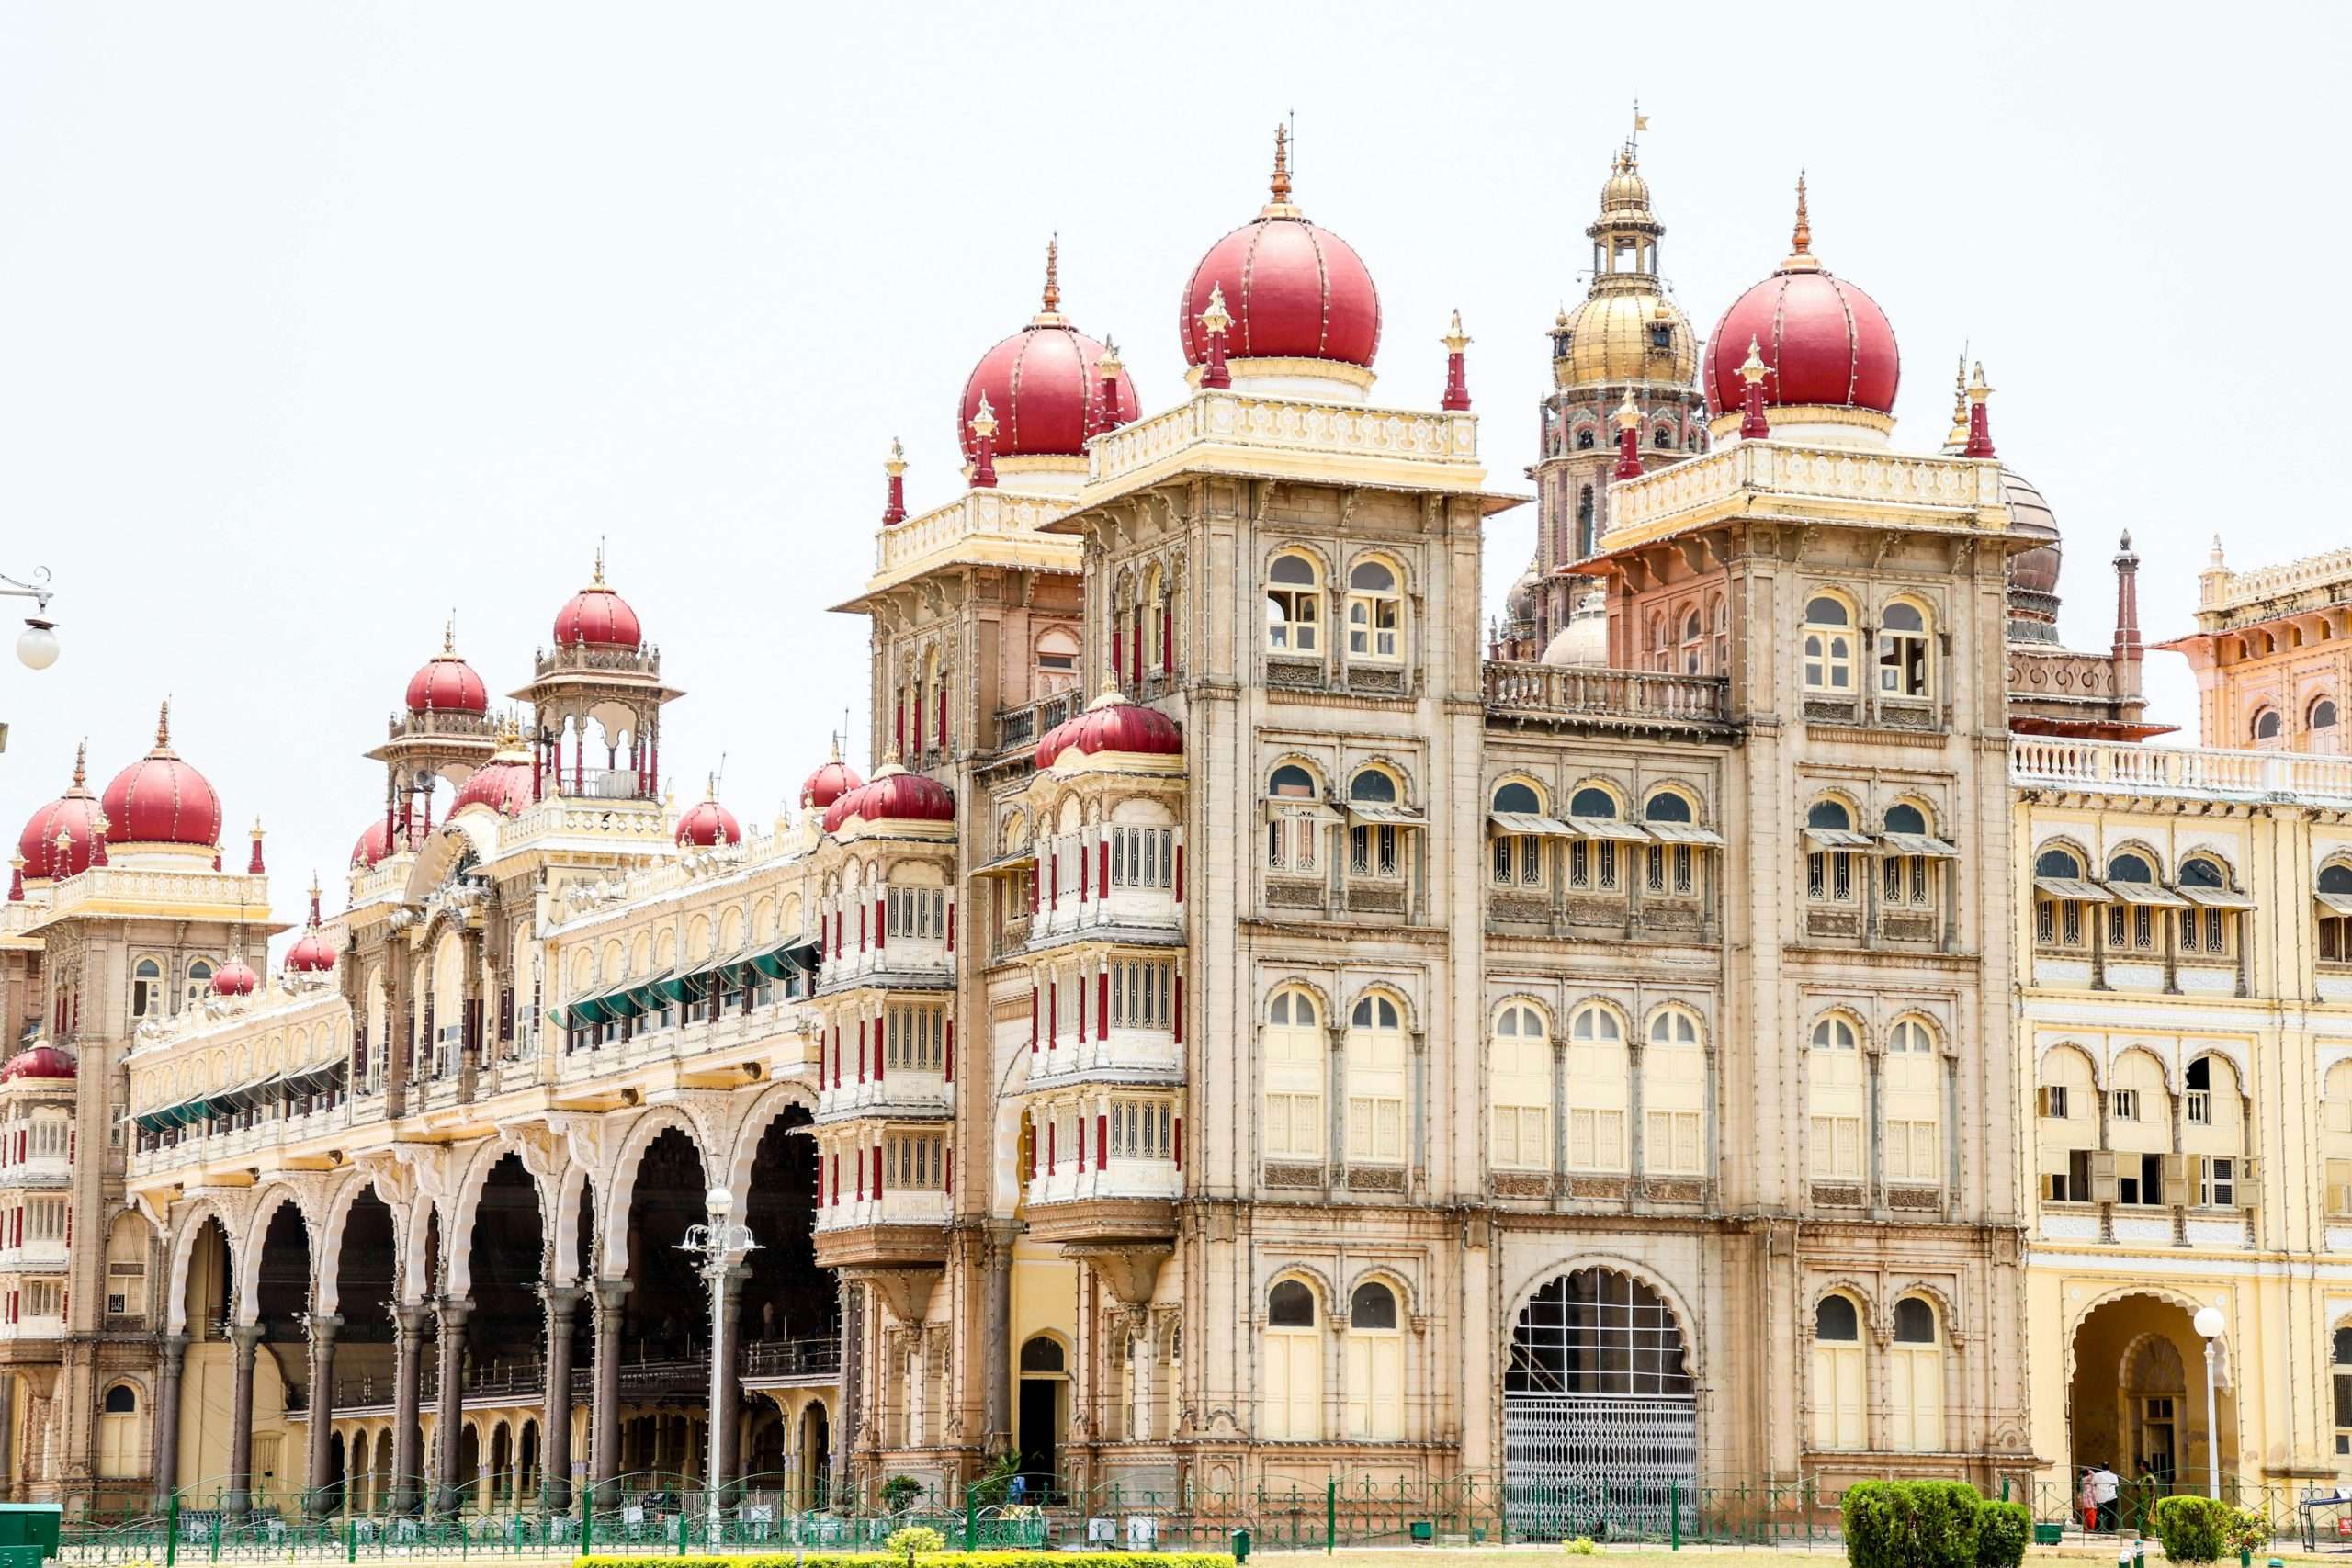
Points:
(2177, 1179)
(2340, 1187)
(2249, 1182)
(2102, 1177)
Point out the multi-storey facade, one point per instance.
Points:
(1249, 1025)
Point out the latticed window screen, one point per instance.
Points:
(1596, 1331)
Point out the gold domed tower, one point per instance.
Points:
(1626, 339)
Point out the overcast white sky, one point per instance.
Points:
(319, 321)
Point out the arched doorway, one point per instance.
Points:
(817, 1457)
(2137, 1400)
(1600, 1413)
(1043, 1374)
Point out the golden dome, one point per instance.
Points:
(1626, 196)
(1622, 335)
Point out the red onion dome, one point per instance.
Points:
(161, 800)
(234, 979)
(373, 845)
(1295, 290)
(1058, 740)
(1824, 342)
(1044, 384)
(503, 786)
(40, 1062)
(597, 614)
(447, 683)
(708, 823)
(1110, 723)
(313, 953)
(893, 794)
(829, 783)
(75, 815)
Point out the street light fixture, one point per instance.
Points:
(2209, 1324)
(719, 1246)
(37, 644)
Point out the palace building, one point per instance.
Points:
(1765, 1013)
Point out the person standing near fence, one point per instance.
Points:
(2103, 1484)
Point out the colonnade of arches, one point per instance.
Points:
(483, 1342)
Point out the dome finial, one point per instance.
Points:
(164, 729)
(1053, 296)
(1279, 184)
(82, 752)
(449, 634)
(1957, 437)
(1980, 423)
(1800, 241)
(598, 580)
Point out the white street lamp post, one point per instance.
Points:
(720, 1246)
(37, 644)
(2209, 1324)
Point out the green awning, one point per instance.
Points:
(620, 1002)
(652, 995)
(784, 957)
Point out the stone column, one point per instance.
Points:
(9, 1426)
(449, 1420)
(604, 1418)
(995, 1353)
(246, 1339)
(845, 1430)
(408, 1378)
(167, 1420)
(555, 1425)
(318, 1505)
(726, 1419)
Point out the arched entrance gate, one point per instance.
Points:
(1600, 1419)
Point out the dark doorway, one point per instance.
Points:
(1040, 1417)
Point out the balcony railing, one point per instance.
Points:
(596, 660)
(2110, 768)
(1028, 725)
(597, 783)
(1631, 696)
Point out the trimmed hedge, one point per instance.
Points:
(2002, 1531)
(1910, 1524)
(927, 1560)
(2196, 1530)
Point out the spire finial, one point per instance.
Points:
(1457, 382)
(894, 502)
(1216, 322)
(1753, 427)
(1629, 440)
(449, 634)
(1053, 275)
(82, 752)
(1802, 241)
(1980, 425)
(896, 463)
(598, 580)
(163, 725)
(984, 447)
(1280, 185)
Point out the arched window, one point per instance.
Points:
(1292, 832)
(1828, 644)
(1598, 1092)
(1056, 660)
(2340, 1362)
(2335, 892)
(1584, 511)
(1915, 1377)
(1592, 853)
(1914, 1097)
(1694, 642)
(147, 989)
(1376, 1065)
(1673, 858)
(2212, 1135)
(1674, 1095)
(1718, 620)
(1837, 1385)
(2207, 928)
(2061, 895)
(1584, 438)
(2265, 725)
(1829, 861)
(1519, 1062)
(2322, 714)
(1903, 647)
(1375, 1370)
(1294, 1401)
(1296, 1056)
(1294, 605)
(1661, 647)
(1908, 873)
(1042, 1353)
(2131, 923)
(1517, 857)
(1371, 844)
(1375, 613)
(200, 980)
(1833, 1097)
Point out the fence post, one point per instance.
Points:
(2005, 1489)
(1674, 1518)
(172, 1525)
(971, 1520)
(1331, 1513)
